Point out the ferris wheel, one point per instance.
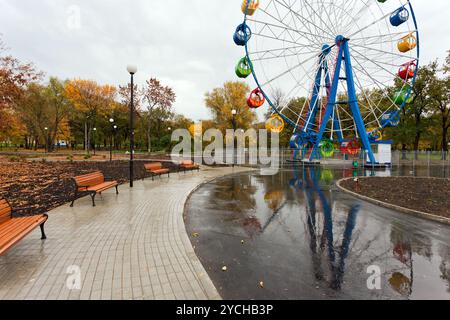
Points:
(328, 68)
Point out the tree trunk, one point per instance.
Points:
(89, 139)
(404, 149)
(416, 144)
(36, 142)
(444, 140)
(85, 137)
(149, 138)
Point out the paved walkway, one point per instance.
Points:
(131, 246)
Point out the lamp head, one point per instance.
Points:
(132, 69)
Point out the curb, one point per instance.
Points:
(412, 212)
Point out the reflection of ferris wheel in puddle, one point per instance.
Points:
(343, 56)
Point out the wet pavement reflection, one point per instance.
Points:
(295, 236)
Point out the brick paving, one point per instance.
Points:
(131, 246)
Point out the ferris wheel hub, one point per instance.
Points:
(340, 39)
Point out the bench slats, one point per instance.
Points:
(93, 183)
(102, 187)
(18, 228)
(90, 180)
(153, 166)
(5, 211)
(9, 226)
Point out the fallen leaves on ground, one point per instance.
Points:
(428, 195)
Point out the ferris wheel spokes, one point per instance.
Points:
(346, 92)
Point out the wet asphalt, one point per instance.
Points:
(295, 236)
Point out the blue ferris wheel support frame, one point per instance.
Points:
(344, 53)
(308, 136)
(344, 57)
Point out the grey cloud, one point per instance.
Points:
(187, 44)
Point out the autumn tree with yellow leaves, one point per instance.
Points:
(221, 102)
(92, 102)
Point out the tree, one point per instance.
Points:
(421, 100)
(221, 102)
(440, 96)
(14, 77)
(59, 108)
(92, 101)
(31, 107)
(125, 96)
(13, 128)
(157, 97)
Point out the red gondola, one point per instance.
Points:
(351, 148)
(407, 70)
(256, 99)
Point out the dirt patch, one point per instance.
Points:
(47, 185)
(427, 195)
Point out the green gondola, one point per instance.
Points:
(326, 148)
(243, 68)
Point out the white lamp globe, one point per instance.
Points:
(132, 69)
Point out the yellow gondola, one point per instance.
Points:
(275, 124)
(252, 7)
(407, 43)
(376, 134)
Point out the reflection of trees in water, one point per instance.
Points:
(238, 195)
(401, 279)
(331, 238)
(404, 247)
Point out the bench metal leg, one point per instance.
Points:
(93, 198)
(43, 237)
(117, 189)
(74, 198)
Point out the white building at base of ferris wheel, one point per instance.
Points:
(382, 151)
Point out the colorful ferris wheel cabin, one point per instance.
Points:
(252, 7)
(399, 16)
(407, 70)
(242, 35)
(256, 99)
(407, 43)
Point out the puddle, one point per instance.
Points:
(306, 240)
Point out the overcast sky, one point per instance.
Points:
(185, 43)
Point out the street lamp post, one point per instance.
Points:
(234, 113)
(111, 121)
(132, 70)
(95, 147)
(46, 139)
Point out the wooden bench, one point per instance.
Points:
(188, 165)
(93, 184)
(13, 229)
(156, 169)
